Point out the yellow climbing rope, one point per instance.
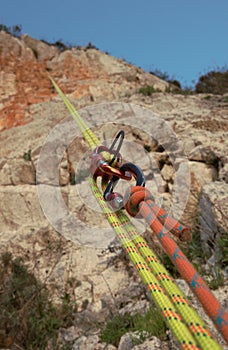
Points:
(187, 326)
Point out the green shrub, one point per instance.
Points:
(169, 265)
(166, 77)
(148, 90)
(208, 97)
(214, 82)
(147, 147)
(13, 30)
(29, 319)
(216, 281)
(160, 74)
(150, 323)
(85, 303)
(196, 254)
(90, 46)
(223, 250)
(27, 155)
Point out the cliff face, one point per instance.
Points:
(87, 73)
(30, 110)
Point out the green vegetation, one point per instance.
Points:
(184, 91)
(29, 320)
(85, 303)
(199, 258)
(147, 147)
(208, 97)
(27, 155)
(223, 249)
(197, 255)
(90, 46)
(15, 30)
(148, 90)
(194, 250)
(61, 46)
(175, 85)
(216, 281)
(214, 82)
(150, 324)
(72, 178)
(169, 265)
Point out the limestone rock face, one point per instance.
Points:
(86, 73)
(41, 50)
(91, 343)
(214, 213)
(223, 173)
(51, 217)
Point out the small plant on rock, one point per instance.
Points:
(29, 320)
(27, 155)
(148, 90)
(151, 323)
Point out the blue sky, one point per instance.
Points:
(185, 38)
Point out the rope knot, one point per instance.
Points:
(133, 197)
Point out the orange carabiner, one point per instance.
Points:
(106, 162)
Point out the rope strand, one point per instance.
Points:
(186, 325)
(135, 201)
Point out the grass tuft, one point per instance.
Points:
(151, 323)
(29, 319)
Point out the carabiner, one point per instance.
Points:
(115, 199)
(101, 166)
(116, 152)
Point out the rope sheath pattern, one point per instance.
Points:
(186, 325)
(167, 308)
(181, 302)
(140, 199)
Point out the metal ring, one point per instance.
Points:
(115, 154)
(128, 167)
(136, 171)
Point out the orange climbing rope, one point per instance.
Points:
(139, 200)
(186, 325)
